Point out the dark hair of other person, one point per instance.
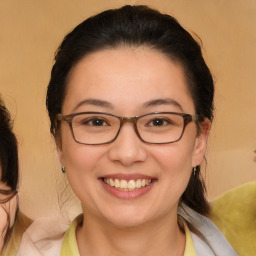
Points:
(9, 162)
(138, 26)
(8, 150)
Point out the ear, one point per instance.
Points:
(201, 143)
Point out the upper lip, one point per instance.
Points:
(128, 176)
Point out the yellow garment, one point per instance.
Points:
(189, 248)
(69, 244)
(234, 213)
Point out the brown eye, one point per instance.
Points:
(159, 122)
(95, 122)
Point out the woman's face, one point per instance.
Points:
(129, 82)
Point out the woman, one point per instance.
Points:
(130, 101)
(12, 222)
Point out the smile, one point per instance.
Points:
(130, 185)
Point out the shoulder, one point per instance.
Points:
(43, 237)
(234, 213)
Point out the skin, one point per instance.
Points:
(127, 79)
(3, 214)
(3, 185)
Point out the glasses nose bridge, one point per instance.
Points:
(132, 120)
(128, 120)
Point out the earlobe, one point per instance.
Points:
(201, 143)
(60, 154)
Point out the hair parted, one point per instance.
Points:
(137, 26)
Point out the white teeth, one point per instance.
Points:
(112, 183)
(131, 184)
(117, 183)
(125, 185)
(138, 183)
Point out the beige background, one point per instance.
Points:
(31, 30)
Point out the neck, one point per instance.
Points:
(160, 237)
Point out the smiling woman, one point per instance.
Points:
(131, 103)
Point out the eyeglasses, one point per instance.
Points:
(95, 128)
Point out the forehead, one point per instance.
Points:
(126, 75)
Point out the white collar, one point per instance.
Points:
(207, 238)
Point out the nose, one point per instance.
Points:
(128, 148)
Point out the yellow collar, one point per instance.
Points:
(69, 244)
(189, 248)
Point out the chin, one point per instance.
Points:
(132, 222)
(127, 219)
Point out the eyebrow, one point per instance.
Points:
(158, 102)
(94, 102)
(151, 103)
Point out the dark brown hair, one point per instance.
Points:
(8, 149)
(137, 26)
(10, 175)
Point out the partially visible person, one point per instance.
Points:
(12, 222)
(234, 213)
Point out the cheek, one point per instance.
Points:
(174, 171)
(75, 156)
(175, 162)
(3, 221)
(80, 161)
(175, 158)
(82, 170)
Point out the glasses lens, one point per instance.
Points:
(95, 128)
(160, 128)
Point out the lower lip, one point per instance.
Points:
(127, 194)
